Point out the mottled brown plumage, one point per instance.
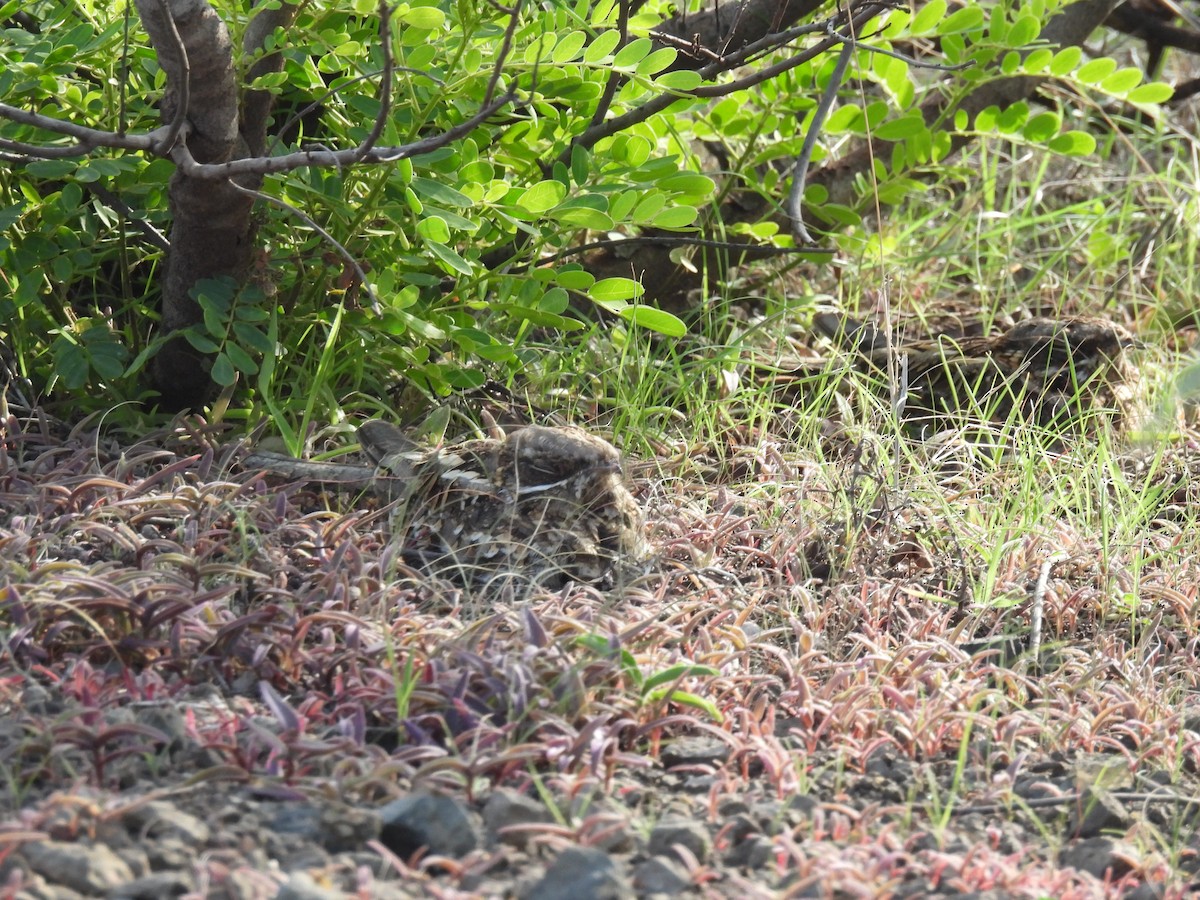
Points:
(1052, 372)
(546, 504)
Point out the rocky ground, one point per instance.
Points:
(217, 685)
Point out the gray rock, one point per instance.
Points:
(739, 827)
(1101, 857)
(153, 887)
(1097, 811)
(694, 751)
(337, 827)
(507, 809)
(660, 875)
(581, 873)
(83, 868)
(756, 852)
(424, 820)
(692, 836)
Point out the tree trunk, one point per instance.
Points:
(212, 233)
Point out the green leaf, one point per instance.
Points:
(1096, 70)
(434, 228)
(657, 61)
(542, 196)
(603, 44)
(1122, 81)
(581, 162)
(899, 129)
(967, 18)
(686, 698)
(1065, 61)
(1154, 92)
(542, 318)
(675, 217)
(200, 341)
(51, 169)
(896, 23)
(615, 291)
(1037, 61)
(682, 80)
(691, 183)
(654, 319)
(240, 359)
(632, 53)
(1012, 117)
(213, 321)
(622, 205)
(254, 338)
(426, 18)
(269, 81)
(1023, 31)
(583, 217)
(70, 363)
(441, 193)
(845, 118)
(1042, 127)
(649, 207)
(224, 372)
(71, 196)
(574, 279)
(673, 673)
(568, 47)
(928, 17)
(1073, 143)
(450, 258)
(247, 312)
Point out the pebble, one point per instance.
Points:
(435, 822)
(581, 873)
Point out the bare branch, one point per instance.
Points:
(750, 251)
(155, 142)
(800, 170)
(730, 61)
(88, 138)
(614, 78)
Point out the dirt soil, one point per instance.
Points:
(217, 685)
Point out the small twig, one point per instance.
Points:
(385, 82)
(614, 78)
(684, 241)
(88, 138)
(153, 235)
(795, 201)
(329, 238)
(692, 48)
(1037, 608)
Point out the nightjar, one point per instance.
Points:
(548, 504)
(1055, 372)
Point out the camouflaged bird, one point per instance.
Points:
(1053, 372)
(547, 504)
